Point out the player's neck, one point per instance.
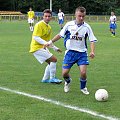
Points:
(45, 22)
(79, 22)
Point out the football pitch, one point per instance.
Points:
(24, 97)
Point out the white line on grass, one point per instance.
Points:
(93, 113)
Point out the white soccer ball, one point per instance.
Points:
(101, 95)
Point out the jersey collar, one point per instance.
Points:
(79, 24)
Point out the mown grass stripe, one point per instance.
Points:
(93, 113)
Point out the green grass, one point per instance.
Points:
(19, 70)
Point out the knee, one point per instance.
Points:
(83, 74)
(65, 74)
(54, 59)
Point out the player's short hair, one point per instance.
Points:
(81, 9)
(47, 11)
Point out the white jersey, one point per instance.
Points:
(61, 15)
(76, 36)
(112, 19)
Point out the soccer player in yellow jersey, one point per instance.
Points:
(31, 16)
(42, 35)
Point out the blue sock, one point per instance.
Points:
(67, 79)
(83, 83)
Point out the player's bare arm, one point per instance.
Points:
(57, 37)
(92, 53)
(55, 48)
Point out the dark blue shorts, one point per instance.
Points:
(113, 26)
(61, 21)
(72, 57)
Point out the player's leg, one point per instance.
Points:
(52, 61)
(83, 79)
(114, 32)
(111, 29)
(67, 79)
(67, 64)
(32, 24)
(43, 55)
(29, 24)
(82, 63)
(60, 23)
(52, 66)
(46, 74)
(61, 26)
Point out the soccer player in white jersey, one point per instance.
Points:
(61, 18)
(40, 36)
(31, 16)
(113, 25)
(75, 34)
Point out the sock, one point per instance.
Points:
(32, 28)
(114, 33)
(67, 79)
(46, 73)
(52, 68)
(83, 83)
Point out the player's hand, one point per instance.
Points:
(92, 55)
(59, 50)
(48, 44)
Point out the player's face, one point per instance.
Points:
(59, 10)
(47, 17)
(112, 13)
(80, 16)
(30, 9)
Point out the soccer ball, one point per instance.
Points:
(101, 95)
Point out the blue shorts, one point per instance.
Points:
(72, 57)
(113, 26)
(61, 21)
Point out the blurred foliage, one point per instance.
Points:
(94, 7)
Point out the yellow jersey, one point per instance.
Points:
(42, 30)
(31, 14)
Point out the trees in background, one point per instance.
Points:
(68, 6)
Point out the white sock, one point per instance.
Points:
(52, 68)
(32, 28)
(46, 73)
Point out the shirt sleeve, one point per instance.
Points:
(63, 31)
(39, 40)
(91, 36)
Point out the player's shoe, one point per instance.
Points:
(66, 87)
(45, 81)
(112, 35)
(85, 91)
(55, 80)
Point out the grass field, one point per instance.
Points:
(20, 71)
